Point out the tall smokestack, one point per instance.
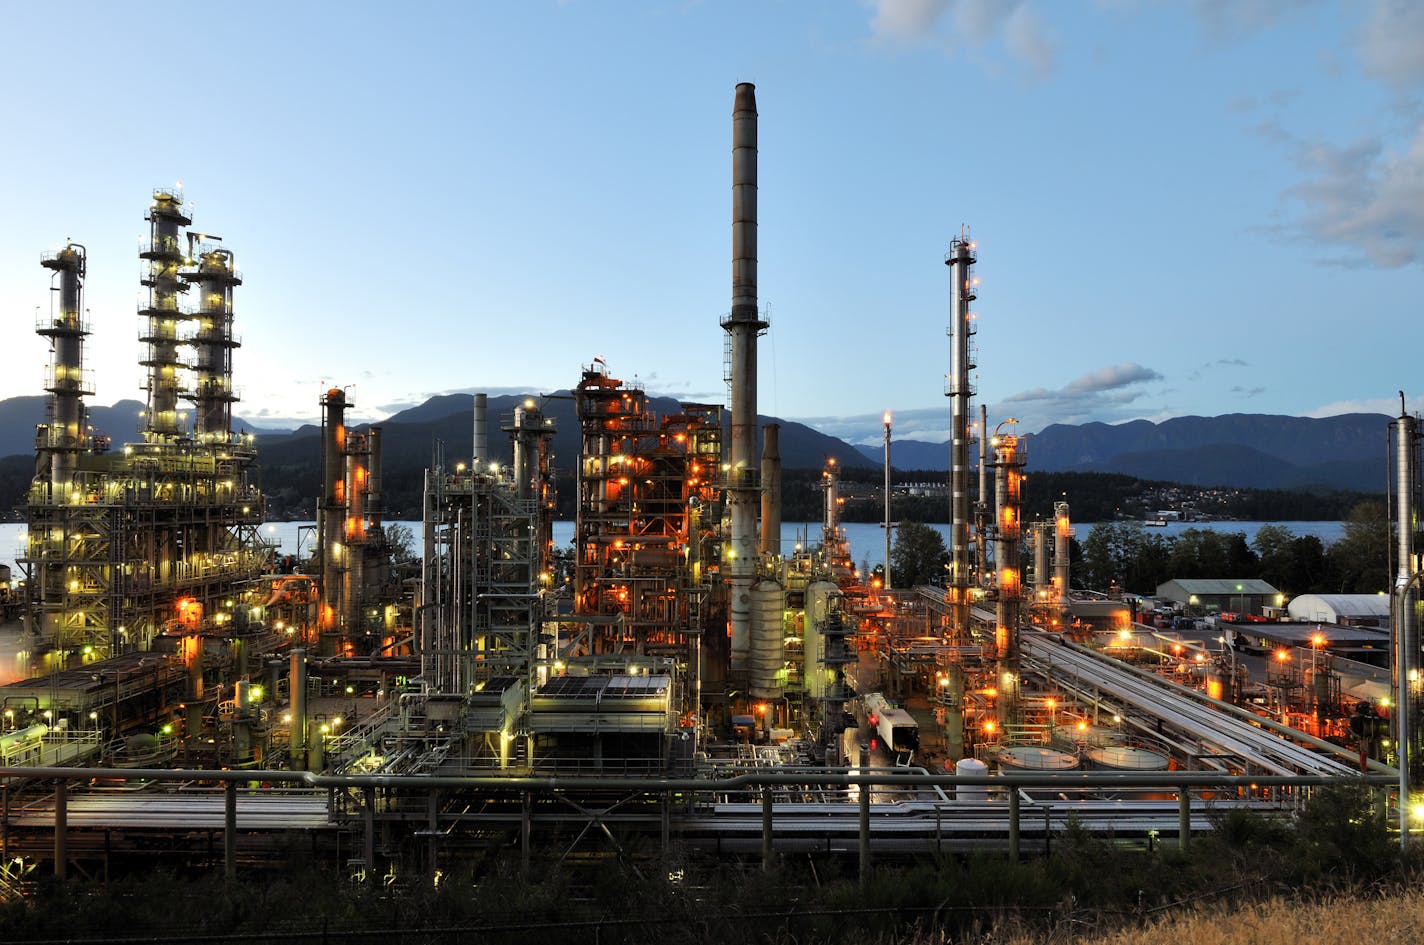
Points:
(771, 489)
(744, 325)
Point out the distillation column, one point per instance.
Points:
(213, 344)
(480, 455)
(59, 442)
(164, 255)
(771, 490)
(959, 260)
(1062, 531)
(744, 325)
(332, 513)
(1408, 727)
(886, 495)
(1009, 494)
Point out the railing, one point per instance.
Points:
(987, 809)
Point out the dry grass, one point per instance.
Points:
(1398, 918)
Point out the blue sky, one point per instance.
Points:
(1180, 207)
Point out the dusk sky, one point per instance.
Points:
(1181, 208)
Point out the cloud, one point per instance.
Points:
(973, 26)
(1389, 406)
(1391, 42)
(1246, 391)
(1102, 395)
(1363, 196)
(1112, 377)
(906, 19)
(1229, 19)
(917, 423)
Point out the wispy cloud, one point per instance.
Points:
(1109, 394)
(1414, 404)
(1391, 42)
(978, 27)
(1365, 197)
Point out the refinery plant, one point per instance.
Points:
(677, 674)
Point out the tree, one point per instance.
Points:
(401, 542)
(1360, 560)
(919, 555)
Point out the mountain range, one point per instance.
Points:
(1241, 450)
(1258, 451)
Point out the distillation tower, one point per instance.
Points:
(1408, 493)
(163, 534)
(1008, 490)
(355, 618)
(960, 261)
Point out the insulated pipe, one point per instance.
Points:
(481, 449)
(744, 324)
(959, 260)
(771, 489)
(297, 690)
(886, 569)
(981, 543)
(375, 508)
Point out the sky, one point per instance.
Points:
(1181, 208)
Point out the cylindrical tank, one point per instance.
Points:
(1127, 758)
(28, 734)
(767, 656)
(1035, 758)
(971, 767)
(1095, 735)
(818, 604)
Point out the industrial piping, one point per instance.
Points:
(744, 325)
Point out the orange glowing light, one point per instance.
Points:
(1282, 655)
(989, 727)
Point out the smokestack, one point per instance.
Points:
(771, 489)
(744, 324)
(481, 450)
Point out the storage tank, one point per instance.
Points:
(818, 602)
(972, 767)
(767, 654)
(1097, 736)
(1127, 758)
(1035, 758)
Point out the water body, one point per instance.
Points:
(867, 539)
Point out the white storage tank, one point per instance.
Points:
(971, 767)
(767, 655)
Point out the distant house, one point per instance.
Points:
(1347, 610)
(1224, 595)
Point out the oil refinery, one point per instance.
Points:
(679, 675)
